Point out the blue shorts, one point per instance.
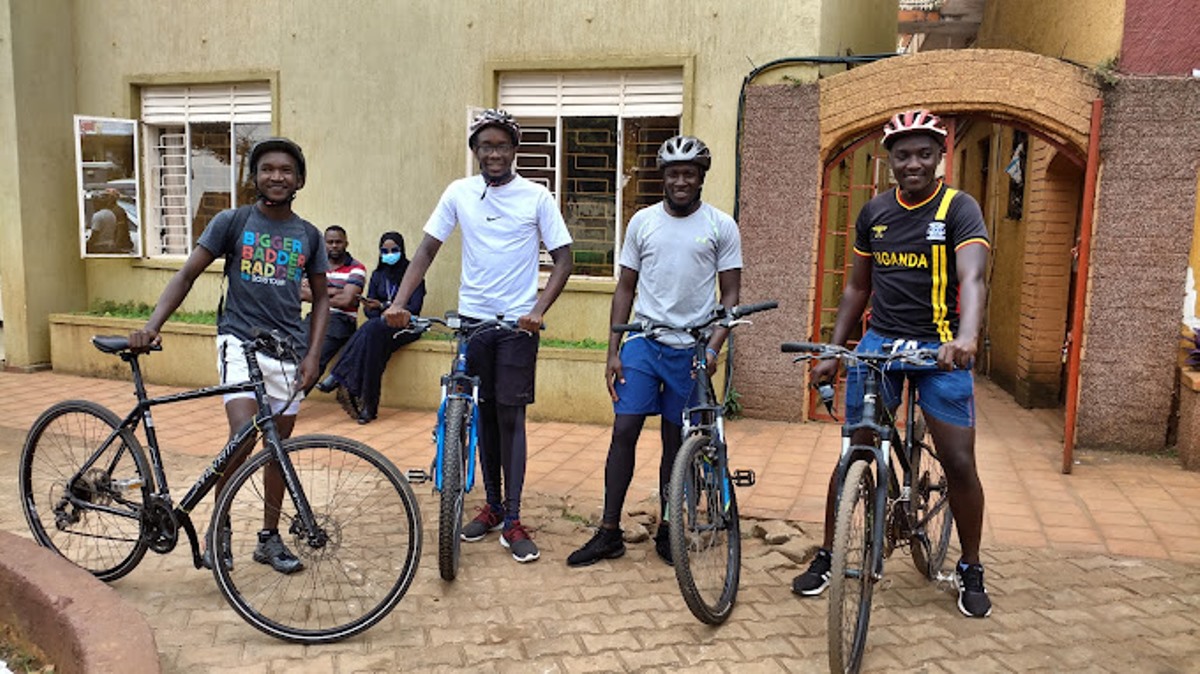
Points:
(658, 379)
(945, 395)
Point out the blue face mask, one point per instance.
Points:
(390, 258)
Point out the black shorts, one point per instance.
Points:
(506, 364)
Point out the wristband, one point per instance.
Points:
(711, 351)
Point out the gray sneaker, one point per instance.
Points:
(517, 540)
(271, 550)
(487, 520)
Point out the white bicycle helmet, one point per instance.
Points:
(498, 118)
(684, 149)
(912, 121)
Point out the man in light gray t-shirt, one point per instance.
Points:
(676, 254)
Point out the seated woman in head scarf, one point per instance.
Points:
(359, 371)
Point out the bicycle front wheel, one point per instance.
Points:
(93, 520)
(706, 541)
(450, 504)
(850, 578)
(932, 518)
(355, 570)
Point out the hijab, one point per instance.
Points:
(393, 272)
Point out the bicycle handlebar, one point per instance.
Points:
(419, 324)
(824, 351)
(725, 317)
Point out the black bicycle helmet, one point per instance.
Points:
(278, 145)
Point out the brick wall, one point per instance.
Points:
(778, 215)
(1150, 146)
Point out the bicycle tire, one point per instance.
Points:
(706, 542)
(450, 503)
(932, 519)
(368, 510)
(850, 578)
(61, 439)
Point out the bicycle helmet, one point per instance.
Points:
(277, 145)
(684, 149)
(494, 117)
(912, 121)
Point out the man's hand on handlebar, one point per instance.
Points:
(397, 317)
(531, 323)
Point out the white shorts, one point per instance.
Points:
(278, 376)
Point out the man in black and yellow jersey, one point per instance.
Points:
(920, 255)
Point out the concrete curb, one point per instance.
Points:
(80, 623)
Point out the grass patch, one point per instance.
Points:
(19, 656)
(142, 311)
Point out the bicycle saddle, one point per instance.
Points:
(116, 343)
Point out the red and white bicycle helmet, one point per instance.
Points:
(497, 118)
(912, 121)
(684, 149)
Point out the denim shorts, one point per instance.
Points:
(658, 379)
(946, 395)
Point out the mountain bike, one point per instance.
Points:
(89, 494)
(702, 515)
(456, 435)
(880, 509)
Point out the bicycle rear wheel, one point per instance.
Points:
(94, 521)
(932, 519)
(850, 579)
(351, 581)
(706, 541)
(450, 504)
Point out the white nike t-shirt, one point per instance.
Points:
(501, 230)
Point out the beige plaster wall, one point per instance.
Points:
(39, 255)
(376, 92)
(1084, 31)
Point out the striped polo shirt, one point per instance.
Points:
(353, 272)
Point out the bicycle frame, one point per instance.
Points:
(263, 421)
(458, 385)
(710, 415)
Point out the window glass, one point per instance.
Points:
(106, 163)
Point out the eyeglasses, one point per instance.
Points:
(502, 148)
(394, 249)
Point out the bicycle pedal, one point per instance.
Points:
(417, 476)
(743, 477)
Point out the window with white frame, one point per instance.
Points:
(591, 138)
(197, 140)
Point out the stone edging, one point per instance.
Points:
(81, 624)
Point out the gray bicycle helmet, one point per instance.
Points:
(684, 149)
(498, 118)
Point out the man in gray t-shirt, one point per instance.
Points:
(268, 251)
(675, 255)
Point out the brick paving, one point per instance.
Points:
(1095, 571)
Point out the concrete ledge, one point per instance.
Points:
(81, 624)
(570, 382)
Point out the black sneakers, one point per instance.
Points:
(662, 544)
(223, 536)
(606, 544)
(973, 599)
(272, 551)
(814, 581)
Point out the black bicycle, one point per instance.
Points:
(456, 435)
(90, 495)
(702, 515)
(879, 510)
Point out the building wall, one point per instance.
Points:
(1087, 32)
(39, 255)
(1150, 147)
(848, 23)
(377, 91)
(1161, 37)
(779, 215)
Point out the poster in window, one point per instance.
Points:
(109, 196)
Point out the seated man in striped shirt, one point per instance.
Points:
(346, 279)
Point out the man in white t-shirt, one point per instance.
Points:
(675, 255)
(503, 218)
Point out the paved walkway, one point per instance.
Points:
(1096, 571)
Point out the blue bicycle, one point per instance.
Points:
(456, 435)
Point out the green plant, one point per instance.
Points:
(1106, 73)
(142, 311)
(733, 404)
(585, 343)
